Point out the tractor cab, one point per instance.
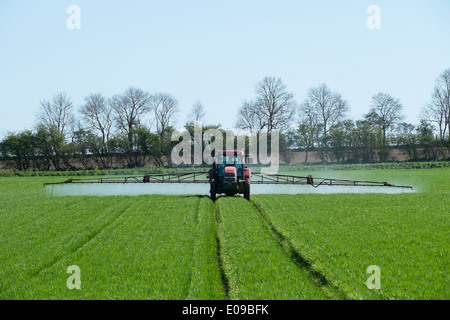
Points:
(230, 164)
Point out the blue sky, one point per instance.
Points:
(215, 52)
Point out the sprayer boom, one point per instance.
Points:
(190, 177)
(260, 178)
(256, 178)
(230, 176)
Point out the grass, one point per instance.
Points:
(406, 235)
(305, 246)
(146, 247)
(255, 265)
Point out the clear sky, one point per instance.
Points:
(215, 51)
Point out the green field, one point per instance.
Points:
(305, 246)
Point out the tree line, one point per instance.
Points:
(134, 128)
(320, 123)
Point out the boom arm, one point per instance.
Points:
(257, 178)
(190, 177)
(316, 182)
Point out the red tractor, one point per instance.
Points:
(229, 175)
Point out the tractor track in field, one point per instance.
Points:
(319, 279)
(71, 251)
(90, 238)
(223, 275)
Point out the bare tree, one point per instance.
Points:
(274, 104)
(165, 107)
(98, 114)
(197, 112)
(308, 114)
(129, 109)
(328, 106)
(248, 118)
(57, 113)
(308, 126)
(273, 107)
(385, 112)
(438, 110)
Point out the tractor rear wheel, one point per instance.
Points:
(212, 190)
(247, 190)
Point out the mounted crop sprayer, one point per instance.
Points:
(230, 176)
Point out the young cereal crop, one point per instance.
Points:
(146, 247)
(304, 246)
(254, 264)
(405, 235)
